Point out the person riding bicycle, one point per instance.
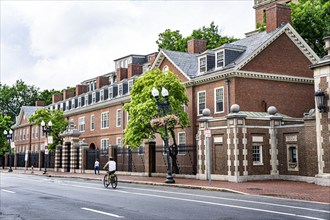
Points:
(111, 166)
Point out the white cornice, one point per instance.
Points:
(248, 74)
(296, 39)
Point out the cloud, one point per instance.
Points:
(55, 44)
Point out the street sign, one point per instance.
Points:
(207, 132)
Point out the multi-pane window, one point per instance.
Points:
(94, 97)
(92, 123)
(105, 120)
(73, 102)
(118, 142)
(201, 102)
(104, 145)
(86, 99)
(257, 154)
(110, 96)
(202, 64)
(120, 89)
(118, 118)
(218, 102)
(32, 133)
(182, 143)
(81, 124)
(79, 101)
(67, 105)
(102, 95)
(220, 59)
(37, 132)
(130, 85)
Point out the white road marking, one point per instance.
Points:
(104, 213)
(209, 203)
(8, 191)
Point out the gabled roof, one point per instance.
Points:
(251, 46)
(27, 111)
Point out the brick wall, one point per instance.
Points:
(57, 98)
(196, 46)
(68, 93)
(101, 81)
(121, 74)
(80, 89)
(134, 69)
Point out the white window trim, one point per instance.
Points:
(101, 143)
(102, 120)
(102, 95)
(79, 102)
(84, 123)
(203, 91)
(216, 59)
(93, 97)
(215, 99)
(86, 100)
(199, 62)
(90, 126)
(261, 162)
(117, 117)
(185, 140)
(130, 85)
(110, 89)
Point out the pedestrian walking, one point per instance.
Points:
(97, 167)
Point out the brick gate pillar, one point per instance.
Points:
(236, 131)
(57, 157)
(275, 120)
(74, 164)
(82, 156)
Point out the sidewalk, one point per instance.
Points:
(275, 188)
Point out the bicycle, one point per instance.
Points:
(110, 179)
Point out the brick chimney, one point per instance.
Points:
(152, 57)
(101, 81)
(80, 89)
(134, 69)
(57, 97)
(121, 74)
(67, 93)
(40, 103)
(276, 15)
(196, 46)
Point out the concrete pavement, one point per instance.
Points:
(274, 188)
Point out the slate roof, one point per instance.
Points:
(188, 63)
(28, 111)
(261, 114)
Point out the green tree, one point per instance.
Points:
(5, 123)
(58, 120)
(311, 19)
(46, 95)
(173, 40)
(143, 108)
(13, 98)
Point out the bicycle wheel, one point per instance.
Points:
(106, 181)
(114, 181)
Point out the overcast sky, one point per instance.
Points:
(55, 44)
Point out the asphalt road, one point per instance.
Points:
(38, 197)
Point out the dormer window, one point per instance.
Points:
(67, 105)
(94, 97)
(102, 95)
(73, 103)
(120, 89)
(110, 93)
(130, 85)
(86, 99)
(79, 101)
(202, 64)
(220, 59)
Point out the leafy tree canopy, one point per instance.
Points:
(5, 124)
(13, 98)
(173, 40)
(58, 120)
(311, 19)
(46, 95)
(143, 107)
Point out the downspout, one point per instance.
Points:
(227, 95)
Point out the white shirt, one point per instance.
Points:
(112, 165)
(96, 164)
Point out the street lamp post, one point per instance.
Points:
(46, 129)
(9, 136)
(163, 109)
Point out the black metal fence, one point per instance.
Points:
(185, 163)
(130, 160)
(34, 159)
(21, 159)
(92, 155)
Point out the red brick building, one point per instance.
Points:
(240, 83)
